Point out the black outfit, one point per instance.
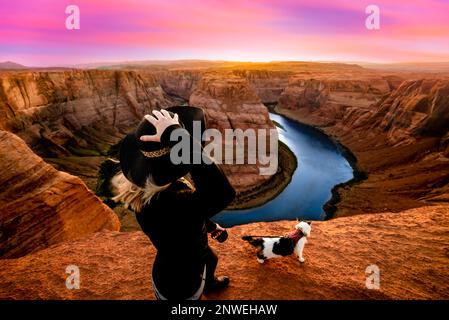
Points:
(177, 222)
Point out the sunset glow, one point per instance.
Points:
(34, 33)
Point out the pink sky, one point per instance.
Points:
(33, 32)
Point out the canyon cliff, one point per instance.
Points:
(399, 139)
(268, 84)
(395, 124)
(74, 115)
(40, 206)
(179, 83)
(56, 111)
(230, 103)
(416, 109)
(326, 98)
(71, 118)
(413, 262)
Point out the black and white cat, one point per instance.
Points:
(274, 247)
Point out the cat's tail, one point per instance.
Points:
(254, 241)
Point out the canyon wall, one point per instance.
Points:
(82, 113)
(402, 108)
(50, 108)
(180, 83)
(268, 84)
(60, 114)
(327, 98)
(414, 110)
(399, 139)
(397, 129)
(40, 206)
(231, 103)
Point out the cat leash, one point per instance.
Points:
(261, 236)
(297, 220)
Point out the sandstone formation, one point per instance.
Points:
(72, 117)
(230, 103)
(400, 140)
(52, 110)
(411, 250)
(396, 125)
(415, 109)
(180, 83)
(40, 206)
(329, 97)
(268, 84)
(268, 79)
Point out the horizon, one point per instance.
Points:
(169, 61)
(35, 34)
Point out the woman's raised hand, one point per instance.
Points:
(161, 120)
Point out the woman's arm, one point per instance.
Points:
(210, 225)
(213, 192)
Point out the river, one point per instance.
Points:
(321, 166)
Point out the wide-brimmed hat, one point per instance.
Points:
(141, 160)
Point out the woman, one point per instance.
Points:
(171, 210)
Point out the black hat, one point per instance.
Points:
(141, 160)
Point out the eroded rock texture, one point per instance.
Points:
(40, 206)
(400, 138)
(413, 262)
(53, 110)
(231, 103)
(328, 98)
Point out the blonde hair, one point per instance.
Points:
(131, 195)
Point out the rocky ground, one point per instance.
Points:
(411, 250)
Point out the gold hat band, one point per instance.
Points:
(156, 153)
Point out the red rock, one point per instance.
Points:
(180, 83)
(327, 98)
(57, 111)
(412, 260)
(40, 206)
(52, 106)
(415, 109)
(268, 84)
(399, 136)
(231, 103)
(400, 141)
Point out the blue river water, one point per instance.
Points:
(321, 166)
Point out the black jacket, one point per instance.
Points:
(177, 221)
